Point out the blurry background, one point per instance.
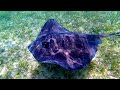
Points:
(19, 28)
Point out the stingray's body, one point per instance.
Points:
(57, 45)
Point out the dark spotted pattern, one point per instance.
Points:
(57, 45)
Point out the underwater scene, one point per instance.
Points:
(59, 44)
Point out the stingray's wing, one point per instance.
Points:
(93, 42)
(40, 47)
(50, 50)
(52, 26)
(85, 48)
(77, 50)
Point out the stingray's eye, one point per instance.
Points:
(45, 44)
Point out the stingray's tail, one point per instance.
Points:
(107, 35)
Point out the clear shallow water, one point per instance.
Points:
(19, 29)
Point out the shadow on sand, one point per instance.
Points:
(51, 71)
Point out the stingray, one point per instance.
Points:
(70, 50)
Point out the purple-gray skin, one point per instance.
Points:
(70, 50)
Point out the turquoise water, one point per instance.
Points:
(19, 28)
